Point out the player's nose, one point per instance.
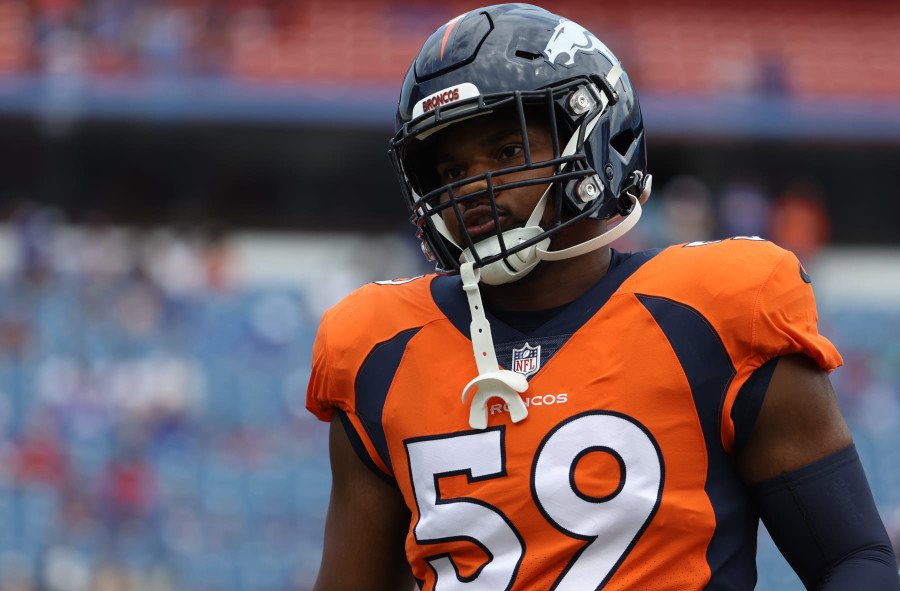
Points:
(479, 172)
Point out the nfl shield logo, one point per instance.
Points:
(526, 360)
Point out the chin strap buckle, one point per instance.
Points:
(492, 382)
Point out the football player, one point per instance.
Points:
(545, 412)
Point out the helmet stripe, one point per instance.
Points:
(450, 26)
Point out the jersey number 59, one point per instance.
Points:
(609, 525)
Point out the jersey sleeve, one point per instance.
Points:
(321, 396)
(331, 387)
(784, 321)
(352, 369)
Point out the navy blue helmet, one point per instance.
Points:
(518, 58)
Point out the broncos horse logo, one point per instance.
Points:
(569, 38)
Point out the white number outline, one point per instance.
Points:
(498, 433)
(591, 539)
(437, 560)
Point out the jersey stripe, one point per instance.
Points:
(373, 382)
(359, 446)
(749, 401)
(709, 372)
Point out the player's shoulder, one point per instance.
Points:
(749, 247)
(352, 329)
(391, 292)
(750, 258)
(731, 269)
(382, 307)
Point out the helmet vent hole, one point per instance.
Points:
(528, 55)
(622, 141)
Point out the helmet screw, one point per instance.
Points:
(581, 102)
(589, 189)
(609, 172)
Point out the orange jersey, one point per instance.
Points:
(622, 476)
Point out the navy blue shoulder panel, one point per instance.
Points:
(732, 551)
(373, 381)
(449, 297)
(359, 447)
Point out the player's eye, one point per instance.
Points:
(510, 151)
(452, 173)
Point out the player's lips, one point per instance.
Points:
(480, 220)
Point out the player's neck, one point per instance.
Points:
(550, 284)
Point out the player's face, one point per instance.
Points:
(484, 144)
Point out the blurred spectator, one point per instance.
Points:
(686, 210)
(15, 330)
(157, 394)
(275, 321)
(66, 387)
(40, 457)
(165, 34)
(735, 70)
(36, 229)
(743, 209)
(127, 494)
(880, 408)
(139, 310)
(96, 252)
(773, 76)
(851, 382)
(799, 221)
(172, 261)
(160, 396)
(253, 38)
(738, 69)
(216, 257)
(79, 525)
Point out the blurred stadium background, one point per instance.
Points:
(185, 185)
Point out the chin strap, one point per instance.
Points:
(492, 382)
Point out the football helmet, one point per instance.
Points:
(515, 58)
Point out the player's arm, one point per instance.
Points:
(365, 528)
(809, 486)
